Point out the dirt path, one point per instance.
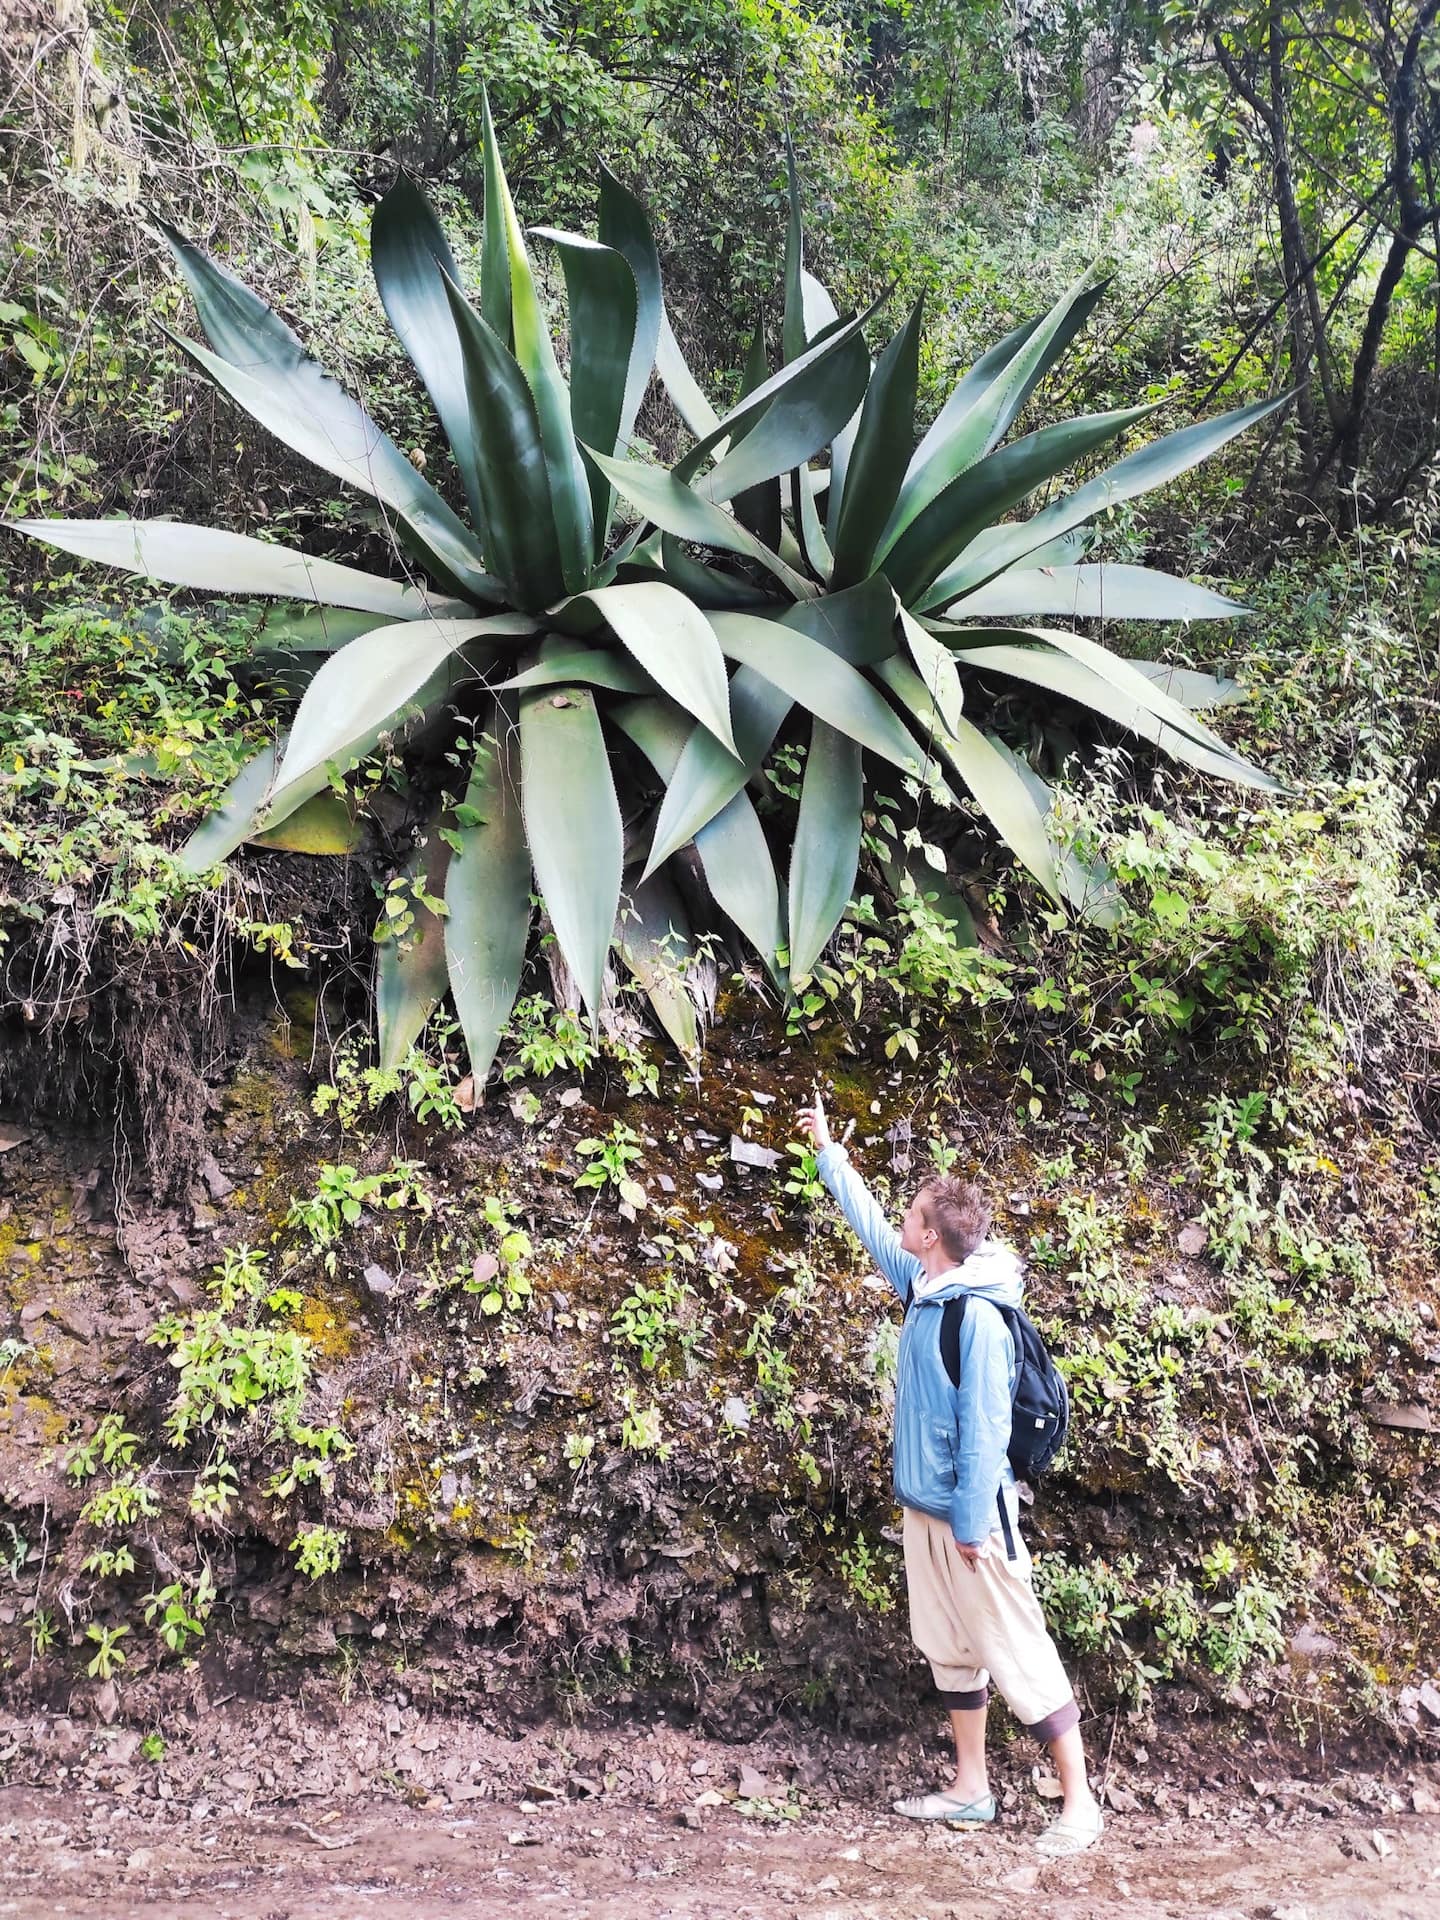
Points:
(269, 1813)
(326, 1863)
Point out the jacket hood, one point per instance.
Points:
(993, 1272)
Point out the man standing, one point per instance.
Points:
(973, 1610)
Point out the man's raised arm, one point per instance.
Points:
(859, 1206)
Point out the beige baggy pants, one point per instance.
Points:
(983, 1624)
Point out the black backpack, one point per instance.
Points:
(1040, 1407)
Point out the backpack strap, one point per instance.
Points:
(1005, 1524)
(951, 1314)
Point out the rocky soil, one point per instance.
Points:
(285, 1813)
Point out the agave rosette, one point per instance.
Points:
(806, 572)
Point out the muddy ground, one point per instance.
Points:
(277, 1813)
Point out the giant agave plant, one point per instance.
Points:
(806, 570)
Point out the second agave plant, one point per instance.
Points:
(612, 650)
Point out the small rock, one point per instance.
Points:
(1430, 1700)
(1381, 1843)
(665, 1183)
(520, 1838)
(379, 1281)
(107, 1702)
(1289, 1913)
(12, 1137)
(1020, 1879)
(218, 1184)
(735, 1413)
(748, 1153)
(125, 1747)
(1120, 1798)
(1424, 1801)
(1194, 1806)
(1192, 1238)
(697, 1767)
(33, 1312)
(570, 1097)
(753, 1784)
(459, 1790)
(583, 1784)
(710, 1798)
(465, 1098)
(76, 1319)
(692, 1818)
(712, 1182)
(1048, 1787)
(139, 1860)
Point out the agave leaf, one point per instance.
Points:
(936, 668)
(791, 410)
(989, 488)
(516, 475)
(857, 624)
(706, 586)
(217, 562)
(358, 691)
(487, 891)
(336, 435)
(261, 364)
(806, 487)
(569, 487)
(793, 329)
(983, 408)
(572, 821)
(410, 969)
(573, 661)
(1056, 671)
(231, 821)
(494, 235)
(1088, 885)
(1100, 591)
(677, 509)
(1118, 672)
(881, 454)
(820, 680)
(1122, 674)
(412, 261)
(1001, 547)
(708, 777)
(827, 844)
(811, 400)
(740, 872)
(323, 824)
(758, 508)
(654, 939)
(681, 385)
(820, 314)
(625, 226)
(1197, 691)
(604, 305)
(733, 851)
(987, 772)
(674, 643)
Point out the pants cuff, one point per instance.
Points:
(1054, 1724)
(964, 1702)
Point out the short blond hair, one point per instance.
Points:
(958, 1212)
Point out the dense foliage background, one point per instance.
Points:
(573, 1378)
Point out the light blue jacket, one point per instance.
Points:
(950, 1443)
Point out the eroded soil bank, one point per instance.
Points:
(291, 1813)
